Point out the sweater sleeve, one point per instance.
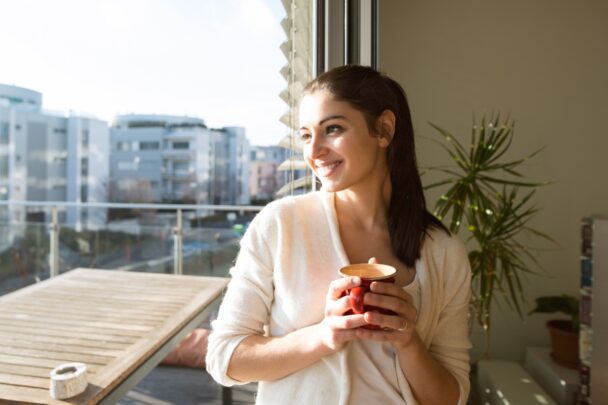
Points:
(246, 305)
(451, 344)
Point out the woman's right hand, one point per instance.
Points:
(337, 328)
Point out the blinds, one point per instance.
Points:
(297, 49)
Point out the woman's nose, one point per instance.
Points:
(316, 147)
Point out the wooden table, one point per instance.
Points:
(120, 324)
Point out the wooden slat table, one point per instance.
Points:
(120, 324)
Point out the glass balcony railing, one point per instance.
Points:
(42, 239)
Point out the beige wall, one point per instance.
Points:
(544, 62)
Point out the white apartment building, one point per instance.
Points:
(164, 158)
(49, 157)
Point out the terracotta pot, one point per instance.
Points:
(564, 343)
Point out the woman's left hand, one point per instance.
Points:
(397, 329)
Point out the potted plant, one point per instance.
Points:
(488, 202)
(563, 332)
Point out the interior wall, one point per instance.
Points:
(544, 63)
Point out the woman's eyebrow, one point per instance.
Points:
(331, 117)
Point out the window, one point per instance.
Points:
(149, 145)
(181, 145)
(4, 166)
(4, 133)
(84, 167)
(85, 138)
(189, 113)
(123, 146)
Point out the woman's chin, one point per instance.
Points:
(330, 187)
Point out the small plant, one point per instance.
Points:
(565, 304)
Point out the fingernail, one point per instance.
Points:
(357, 280)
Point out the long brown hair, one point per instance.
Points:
(372, 93)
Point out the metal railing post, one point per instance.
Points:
(177, 244)
(54, 241)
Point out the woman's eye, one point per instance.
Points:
(332, 129)
(304, 137)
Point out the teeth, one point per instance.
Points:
(326, 170)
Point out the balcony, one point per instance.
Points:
(187, 134)
(179, 176)
(179, 154)
(145, 238)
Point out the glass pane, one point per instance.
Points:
(183, 106)
(24, 248)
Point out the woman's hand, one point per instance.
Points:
(397, 329)
(337, 328)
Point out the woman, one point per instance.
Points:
(283, 320)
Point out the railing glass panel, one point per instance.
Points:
(120, 237)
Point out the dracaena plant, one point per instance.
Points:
(488, 202)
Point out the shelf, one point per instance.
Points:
(561, 383)
(506, 382)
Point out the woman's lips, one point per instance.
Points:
(327, 169)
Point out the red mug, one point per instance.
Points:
(368, 273)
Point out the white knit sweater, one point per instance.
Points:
(289, 255)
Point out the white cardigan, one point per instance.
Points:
(289, 255)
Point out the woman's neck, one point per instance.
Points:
(365, 207)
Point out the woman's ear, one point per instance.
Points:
(386, 128)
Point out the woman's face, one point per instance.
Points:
(338, 145)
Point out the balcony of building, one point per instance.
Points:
(179, 175)
(183, 134)
(194, 240)
(179, 154)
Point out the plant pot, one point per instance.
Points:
(564, 343)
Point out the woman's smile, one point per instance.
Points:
(326, 169)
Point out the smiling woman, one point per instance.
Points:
(286, 318)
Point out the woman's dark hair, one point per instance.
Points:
(372, 93)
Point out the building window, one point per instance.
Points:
(149, 145)
(181, 145)
(4, 133)
(4, 166)
(84, 167)
(123, 146)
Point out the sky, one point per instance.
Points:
(218, 60)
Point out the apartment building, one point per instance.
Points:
(46, 156)
(164, 158)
